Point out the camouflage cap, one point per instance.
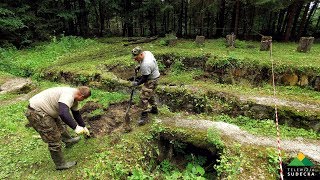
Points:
(136, 51)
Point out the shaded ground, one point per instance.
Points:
(308, 147)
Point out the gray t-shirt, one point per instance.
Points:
(149, 66)
(48, 100)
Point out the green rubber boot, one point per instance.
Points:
(59, 161)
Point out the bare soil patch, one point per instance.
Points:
(109, 119)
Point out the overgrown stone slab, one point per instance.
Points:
(305, 44)
(16, 85)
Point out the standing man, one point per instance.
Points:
(150, 74)
(43, 113)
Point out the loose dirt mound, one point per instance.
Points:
(105, 121)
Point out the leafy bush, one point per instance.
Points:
(230, 163)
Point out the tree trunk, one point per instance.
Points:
(318, 23)
(128, 24)
(155, 22)
(220, 18)
(150, 17)
(236, 23)
(83, 18)
(303, 21)
(273, 28)
(71, 27)
(270, 20)
(296, 18)
(102, 17)
(186, 18)
(280, 21)
(314, 7)
(291, 14)
(251, 20)
(285, 23)
(201, 17)
(180, 20)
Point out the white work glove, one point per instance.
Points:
(137, 68)
(79, 130)
(86, 131)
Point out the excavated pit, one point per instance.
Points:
(173, 148)
(103, 121)
(180, 152)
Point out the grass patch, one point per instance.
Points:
(267, 127)
(105, 98)
(24, 155)
(30, 61)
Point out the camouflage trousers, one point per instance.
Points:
(50, 129)
(148, 94)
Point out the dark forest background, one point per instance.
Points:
(23, 22)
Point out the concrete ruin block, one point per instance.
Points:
(231, 40)
(200, 40)
(317, 84)
(17, 85)
(304, 80)
(265, 43)
(305, 44)
(289, 79)
(171, 40)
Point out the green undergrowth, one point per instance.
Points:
(4, 76)
(76, 53)
(31, 61)
(105, 98)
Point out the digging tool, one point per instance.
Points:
(127, 127)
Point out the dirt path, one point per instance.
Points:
(309, 148)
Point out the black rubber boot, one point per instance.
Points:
(68, 140)
(58, 160)
(143, 119)
(154, 110)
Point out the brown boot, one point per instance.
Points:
(143, 119)
(58, 160)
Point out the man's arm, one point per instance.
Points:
(78, 118)
(143, 79)
(66, 116)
